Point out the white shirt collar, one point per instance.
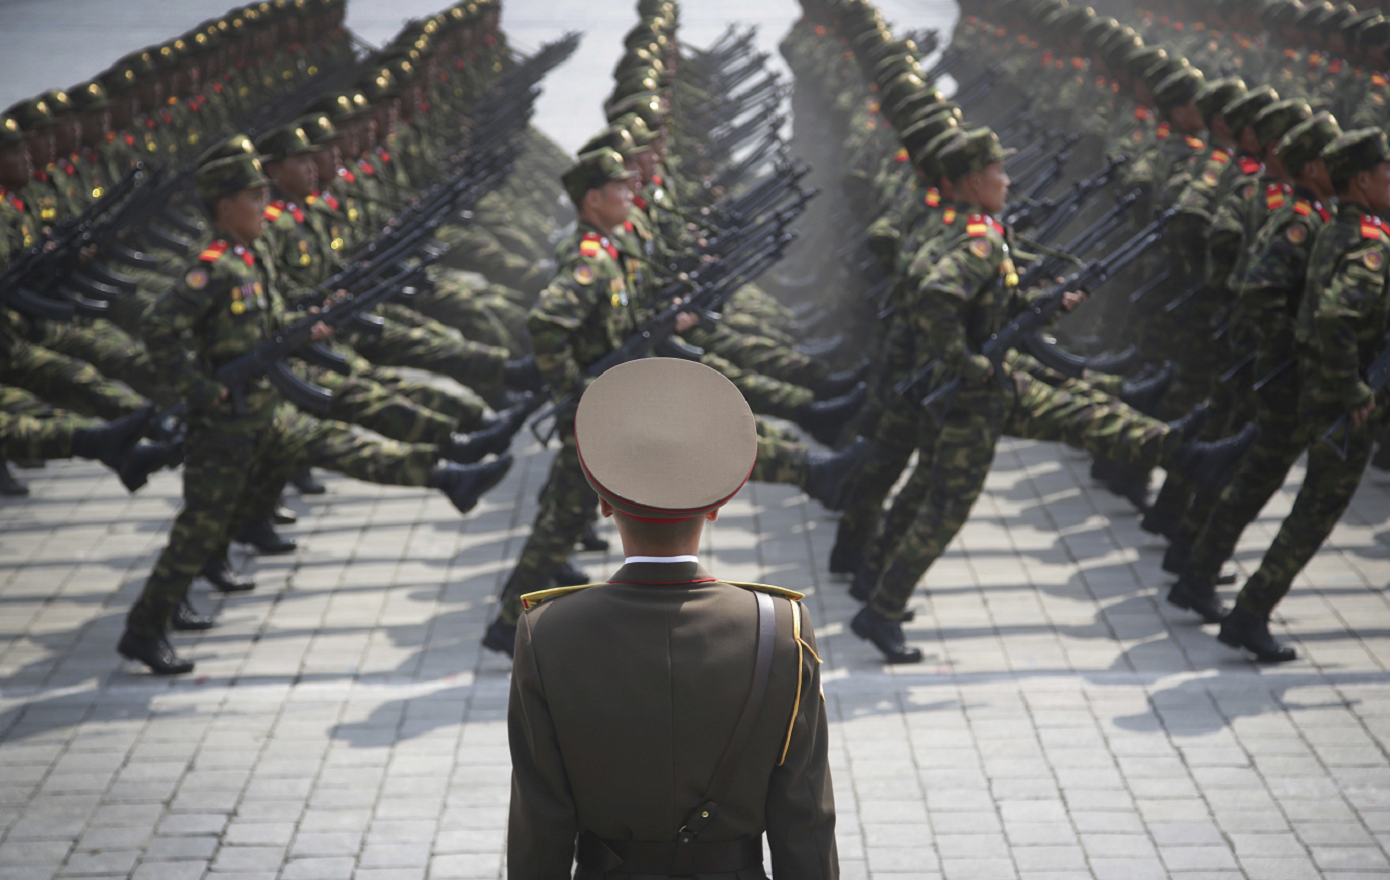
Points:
(631, 559)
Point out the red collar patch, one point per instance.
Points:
(1249, 165)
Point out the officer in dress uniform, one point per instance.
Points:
(662, 722)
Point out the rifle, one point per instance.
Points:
(1103, 227)
(703, 299)
(1026, 325)
(1378, 377)
(1068, 206)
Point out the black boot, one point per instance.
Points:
(821, 348)
(146, 458)
(283, 516)
(218, 572)
(845, 559)
(569, 575)
(522, 375)
(824, 419)
(1211, 465)
(1241, 629)
(1188, 426)
(109, 443)
(842, 382)
(1193, 594)
(1131, 482)
(9, 486)
(887, 636)
(1176, 556)
(1381, 460)
(591, 541)
(153, 651)
(500, 637)
(1143, 392)
(826, 474)
(186, 619)
(492, 438)
(1103, 468)
(466, 483)
(304, 481)
(261, 534)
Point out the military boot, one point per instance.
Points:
(591, 540)
(826, 474)
(144, 459)
(824, 419)
(886, 635)
(187, 619)
(570, 575)
(304, 481)
(110, 443)
(8, 484)
(1192, 593)
(260, 533)
(500, 637)
(1241, 629)
(219, 573)
(493, 437)
(1144, 392)
(842, 382)
(466, 483)
(1211, 464)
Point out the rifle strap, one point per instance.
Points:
(681, 863)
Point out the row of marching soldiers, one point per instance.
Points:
(1268, 272)
(257, 224)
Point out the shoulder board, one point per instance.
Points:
(589, 247)
(1141, 112)
(933, 198)
(657, 179)
(1163, 130)
(948, 216)
(347, 175)
(1249, 165)
(1372, 227)
(1274, 196)
(1302, 207)
(213, 252)
(1378, 80)
(766, 588)
(531, 600)
(1078, 63)
(273, 211)
(900, 155)
(1220, 157)
(1322, 212)
(1195, 143)
(367, 168)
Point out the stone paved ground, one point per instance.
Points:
(344, 723)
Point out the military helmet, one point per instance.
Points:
(1274, 121)
(1305, 141)
(592, 171)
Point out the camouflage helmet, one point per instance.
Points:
(31, 114)
(974, 151)
(1243, 110)
(1274, 121)
(1217, 94)
(10, 132)
(285, 141)
(89, 96)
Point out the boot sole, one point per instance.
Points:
(1233, 642)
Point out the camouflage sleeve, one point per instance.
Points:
(165, 326)
(1350, 296)
(884, 235)
(943, 301)
(1278, 265)
(1225, 237)
(560, 311)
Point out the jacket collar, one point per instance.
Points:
(662, 573)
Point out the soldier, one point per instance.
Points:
(227, 303)
(967, 296)
(703, 763)
(1339, 328)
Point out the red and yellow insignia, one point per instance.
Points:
(980, 247)
(975, 227)
(1378, 80)
(1164, 129)
(584, 275)
(1274, 196)
(196, 279)
(273, 212)
(948, 216)
(900, 155)
(1373, 260)
(1210, 178)
(1250, 165)
(1371, 227)
(1220, 157)
(933, 197)
(589, 247)
(1195, 143)
(1296, 233)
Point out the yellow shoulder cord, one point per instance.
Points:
(800, 647)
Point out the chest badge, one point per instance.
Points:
(584, 275)
(980, 247)
(196, 279)
(1297, 233)
(1373, 260)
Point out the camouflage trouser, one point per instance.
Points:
(1327, 489)
(466, 409)
(567, 504)
(116, 355)
(474, 249)
(759, 354)
(358, 400)
(28, 437)
(764, 395)
(779, 461)
(963, 449)
(66, 382)
(752, 304)
(895, 438)
(230, 476)
(400, 345)
(486, 313)
(1259, 475)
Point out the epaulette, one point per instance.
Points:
(591, 243)
(979, 225)
(948, 216)
(900, 155)
(273, 211)
(1047, 58)
(213, 252)
(1249, 165)
(766, 588)
(933, 198)
(1220, 157)
(1335, 66)
(1078, 63)
(1164, 129)
(1195, 143)
(366, 167)
(1372, 227)
(531, 600)
(1378, 80)
(1274, 195)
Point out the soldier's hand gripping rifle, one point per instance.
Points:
(701, 299)
(1024, 330)
(1378, 378)
(34, 282)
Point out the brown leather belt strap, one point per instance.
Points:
(655, 856)
(743, 729)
